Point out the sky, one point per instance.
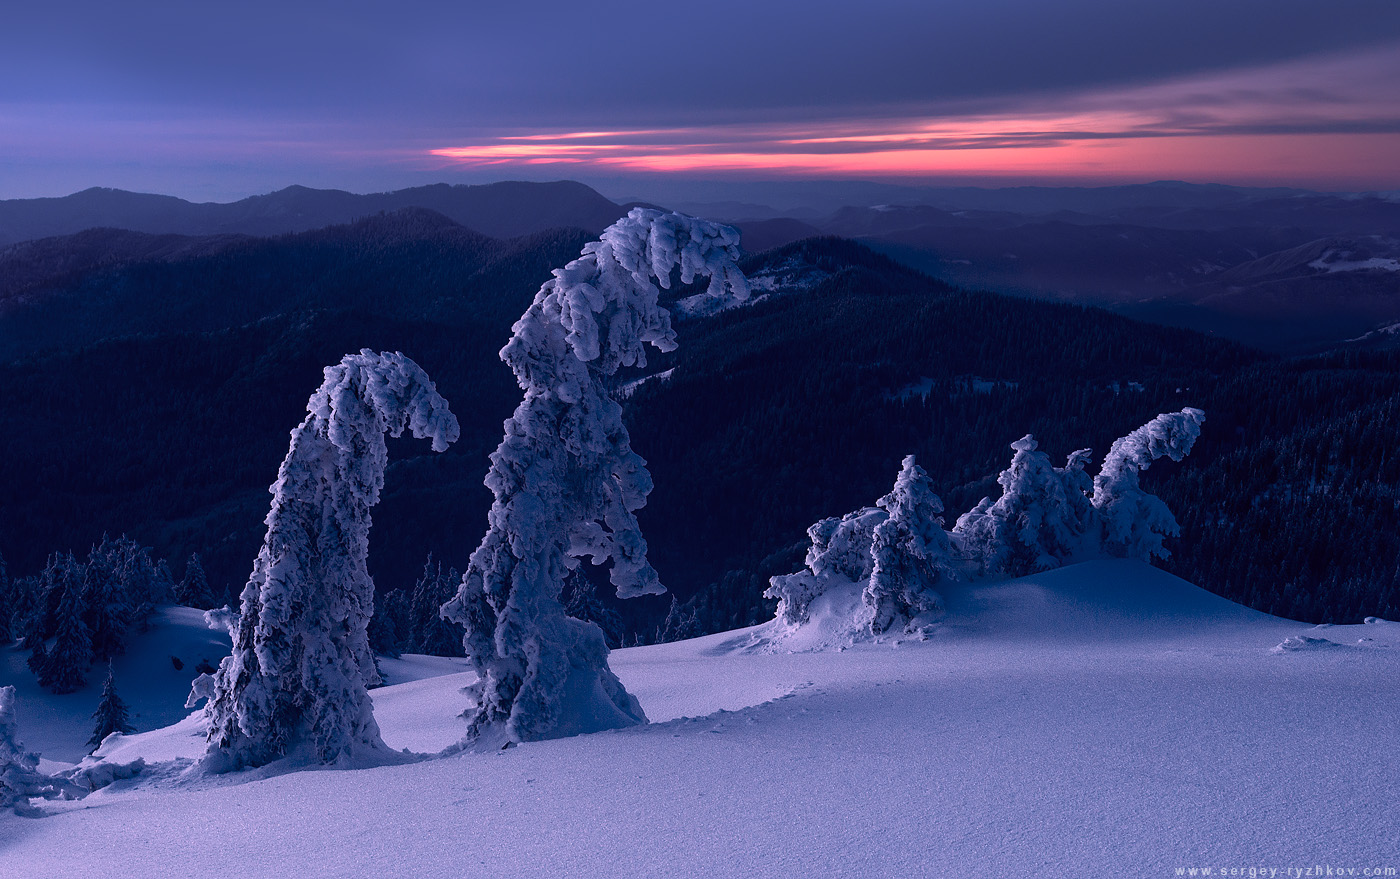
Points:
(219, 101)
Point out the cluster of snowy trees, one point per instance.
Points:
(898, 553)
(566, 485)
(80, 611)
(411, 622)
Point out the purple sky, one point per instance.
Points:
(218, 101)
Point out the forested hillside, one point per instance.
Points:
(800, 407)
(155, 399)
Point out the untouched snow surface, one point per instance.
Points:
(1103, 719)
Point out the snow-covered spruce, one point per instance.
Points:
(1042, 520)
(1135, 522)
(295, 685)
(566, 481)
(911, 553)
(839, 554)
(193, 590)
(893, 555)
(20, 778)
(111, 714)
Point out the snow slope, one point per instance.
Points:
(1103, 718)
(147, 679)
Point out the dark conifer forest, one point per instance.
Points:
(155, 398)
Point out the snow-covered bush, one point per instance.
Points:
(20, 778)
(911, 553)
(840, 553)
(1134, 521)
(566, 481)
(891, 555)
(296, 682)
(1042, 520)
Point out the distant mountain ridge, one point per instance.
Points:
(498, 210)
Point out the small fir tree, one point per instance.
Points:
(910, 552)
(194, 590)
(430, 634)
(111, 714)
(64, 668)
(390, 633)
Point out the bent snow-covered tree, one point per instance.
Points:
(1135, 522)
(566, 481)
(296, 682)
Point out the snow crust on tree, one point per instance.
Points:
(879, 565)
(566, 482)
(1042, 520)
(911, 553)
(295, 685)
(839, 554)
(1134, 521)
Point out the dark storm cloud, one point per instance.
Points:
(445, 66)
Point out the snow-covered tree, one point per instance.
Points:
(194, 590)
(296, 682)
(109, 607)
(20, 778)
(1134, 521)
(566, 481)
(429, 633)
(910, 553)
(390, 629)
(65, 666)
(1042, 519)
(111, 714)
(839, 554)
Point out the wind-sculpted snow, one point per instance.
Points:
(295, 684)
(566, 481)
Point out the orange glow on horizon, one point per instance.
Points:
(1334, 119)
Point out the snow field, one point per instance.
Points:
(1104, 717)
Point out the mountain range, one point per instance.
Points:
(1281, 269)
